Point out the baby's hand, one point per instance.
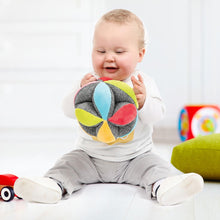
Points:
(87, 79)
(139, 90)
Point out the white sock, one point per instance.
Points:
(41, 189)
(176, 189)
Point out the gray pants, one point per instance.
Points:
(76, 169)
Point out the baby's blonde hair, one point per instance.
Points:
(122, 16)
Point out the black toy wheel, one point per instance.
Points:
(7, 194)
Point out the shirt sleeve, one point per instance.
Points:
(68, 101)
(154, 108)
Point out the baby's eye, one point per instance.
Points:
(119, 51)
(101, 51)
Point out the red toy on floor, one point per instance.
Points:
(198, 120)
(6, 187)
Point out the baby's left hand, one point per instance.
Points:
(139, 90)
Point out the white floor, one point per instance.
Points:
(97, 201)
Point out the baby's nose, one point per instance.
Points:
(110, 57)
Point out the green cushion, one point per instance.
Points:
(200, 155)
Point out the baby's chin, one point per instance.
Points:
(113, 76)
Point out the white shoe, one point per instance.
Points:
(176, 189)
(43, 190)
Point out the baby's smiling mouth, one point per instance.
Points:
(110, 69)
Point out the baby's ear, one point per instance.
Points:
(141, 54)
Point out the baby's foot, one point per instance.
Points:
(43, 190)
(176, 189)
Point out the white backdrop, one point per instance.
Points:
(45, 45)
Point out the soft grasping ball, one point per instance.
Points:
(106, 110)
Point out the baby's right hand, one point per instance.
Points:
(87, 79)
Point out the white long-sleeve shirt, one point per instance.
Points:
(152, 111)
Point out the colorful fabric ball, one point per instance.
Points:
(106, 110)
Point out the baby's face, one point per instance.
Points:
(115, 50)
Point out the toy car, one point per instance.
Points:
(6, 186)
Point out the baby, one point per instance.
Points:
(118, 46)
